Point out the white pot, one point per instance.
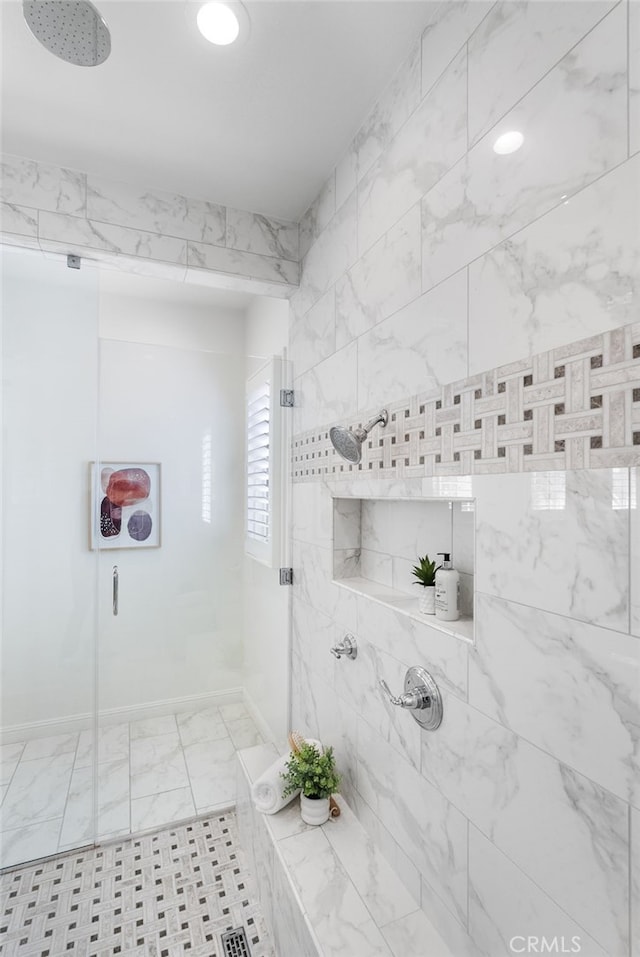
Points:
(427, 600)
(314, 810)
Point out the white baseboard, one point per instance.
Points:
(108, 716)
(258, 717)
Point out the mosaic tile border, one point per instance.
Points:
(574, 407)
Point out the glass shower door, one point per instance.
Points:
(49, 610)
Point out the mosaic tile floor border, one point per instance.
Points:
(170, 893)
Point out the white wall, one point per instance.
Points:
(50, 381)
(266, 602)
(171, 379)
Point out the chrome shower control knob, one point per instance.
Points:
(347, 647)
(421, 697)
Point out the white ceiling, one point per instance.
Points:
(257, 127)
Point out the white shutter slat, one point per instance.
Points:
(258, 463)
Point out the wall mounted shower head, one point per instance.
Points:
(348, 442)
(70, 29)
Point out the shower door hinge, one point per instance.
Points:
(73, 262)
(286, 576)
(286, 398)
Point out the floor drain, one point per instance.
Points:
(234, 943)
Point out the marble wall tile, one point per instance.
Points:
(313, 514)
(382, 281)
(415, 934)
(394, 107)
(18, 220)
(447, 34)
(318, 216)
(236, 262)
(171, 214)
(312, 582)
(347, 522)
(377, 567)
(634, 528)
(565, 552)
(571, 274)
(463, 536)
(407, 529)
(420, 347)
(505, 906)
(567, 686)
(402, 863)
(634, 76)
(413, 642)
(24, 182)
(569, 835)
(381, 890)
(424, 823)
(312, 337)
(635, 880)
(57, 230)
(575, 127)
(429, 143)
(329, 898)
(333, 252)
(254, 233)
(526, 39)
(357, 683)
(313, 634)
(327, 393)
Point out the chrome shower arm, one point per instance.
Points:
(382, 417)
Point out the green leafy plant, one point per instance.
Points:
(425, 572)
(314, 773)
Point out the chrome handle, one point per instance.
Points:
(347, 647)
(421, 697)
(115, 583)
(410, 700)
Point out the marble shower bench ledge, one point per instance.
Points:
(327, 891)
(403, 603)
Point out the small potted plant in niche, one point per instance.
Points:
(425, 574)
(315, 775)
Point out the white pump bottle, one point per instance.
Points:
(447, 590)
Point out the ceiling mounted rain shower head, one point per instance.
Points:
(348, 442)
(70, 29)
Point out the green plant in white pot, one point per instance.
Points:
(425, 574)
(314, 774)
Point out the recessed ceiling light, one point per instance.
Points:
(508, 142)
(218, 23)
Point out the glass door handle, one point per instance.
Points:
(115, 589)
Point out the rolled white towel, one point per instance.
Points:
(267, 789)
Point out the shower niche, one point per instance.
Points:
(376, 543)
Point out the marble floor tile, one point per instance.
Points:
(207, 725)
(50, 747)
(151, 727)
(22, 844)
(37, 792)
(9, 756)
(157, 764)
(244, 733)
(142, 777)
(156, 809)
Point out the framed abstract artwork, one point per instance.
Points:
(125, 505)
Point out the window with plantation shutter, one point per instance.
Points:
(258, 471)
(263, 463)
